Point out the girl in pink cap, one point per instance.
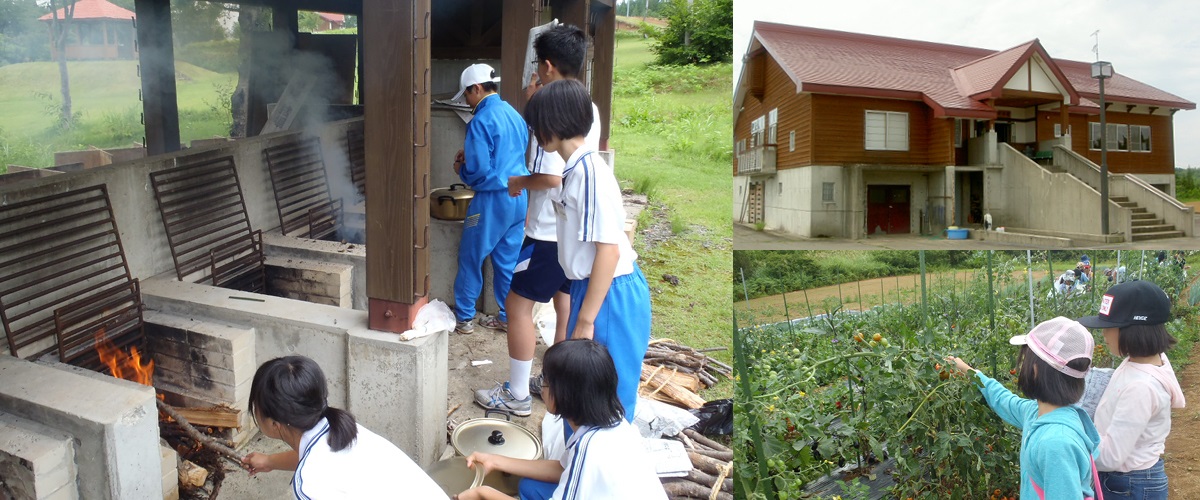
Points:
(1134, 414)
(1058, 441)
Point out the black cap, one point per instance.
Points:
(1132, 303)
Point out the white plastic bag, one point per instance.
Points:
(545, 321)
(431, 318)
(553, 443)
(655, 419)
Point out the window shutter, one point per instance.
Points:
(876, 130)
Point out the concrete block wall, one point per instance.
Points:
(36, 462)
(114, 424)
(170, 472)
(204, 363)
(360, 365)
(311, 281)
(278, 246)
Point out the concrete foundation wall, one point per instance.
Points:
(114, 423)
(395, 389)
(741, 191)
(799, 208)
(1032, 192)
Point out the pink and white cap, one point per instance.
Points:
(1059, 341)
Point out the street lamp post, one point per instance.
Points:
(1102, 70)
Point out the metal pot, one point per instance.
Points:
(450, 203)
(495, 436)
(453, 475)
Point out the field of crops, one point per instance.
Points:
(857, 403)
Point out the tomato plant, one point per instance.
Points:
(846, 390)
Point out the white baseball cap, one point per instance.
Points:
(1059, 341)
(474, 75)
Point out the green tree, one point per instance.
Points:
(197, 21)
(22, 36)
(309, 21)
(698, 32)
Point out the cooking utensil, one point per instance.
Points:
(450, 203)
(495, 436)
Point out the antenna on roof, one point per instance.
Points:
(1096, 47)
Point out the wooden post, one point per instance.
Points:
(156, 60)
(602, 69)
(575, 12)
(517, 19)
(1064, 117)
(396, 101)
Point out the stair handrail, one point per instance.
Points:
(1091, 173)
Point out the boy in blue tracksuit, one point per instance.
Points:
(494, 150)
(1059, 443)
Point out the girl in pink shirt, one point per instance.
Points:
(1134, 414)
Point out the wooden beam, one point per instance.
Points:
(156, 59)
(574, 12)
(353, 7)
(396, 50)
(1152, 110)
(518, 19)
(604, 41)
(1129, 108)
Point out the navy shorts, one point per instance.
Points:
(538, 275)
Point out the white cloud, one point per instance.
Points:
(1155, 42)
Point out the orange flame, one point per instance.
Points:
(128, 366)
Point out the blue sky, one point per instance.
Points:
(1155, 42)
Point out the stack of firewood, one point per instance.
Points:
(673, 373)
(205, 458)
(712, 468)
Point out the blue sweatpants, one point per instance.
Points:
(532, 489)
(495, 226)
(622, 326)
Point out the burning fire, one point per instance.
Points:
(124, 365)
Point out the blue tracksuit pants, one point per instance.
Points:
(495, 226)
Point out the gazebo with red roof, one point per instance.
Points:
(98, 29)
(330, 21)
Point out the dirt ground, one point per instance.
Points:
(1183, 446)
(464, 378)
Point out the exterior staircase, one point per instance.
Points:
(1147, 225)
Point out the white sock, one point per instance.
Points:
(518, 377)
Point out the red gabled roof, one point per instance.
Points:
(93, 9)
(333, 18)
(952, 79)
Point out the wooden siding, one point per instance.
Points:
(839, 133)
(795, 114)
(1160, 159)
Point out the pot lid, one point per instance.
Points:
(499, 437)
(456, 191)
(453, 475)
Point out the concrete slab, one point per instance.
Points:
(114, 421)
(36, 461)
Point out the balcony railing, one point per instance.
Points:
(759, 160)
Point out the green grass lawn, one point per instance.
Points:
(671, 133)
(104, 97)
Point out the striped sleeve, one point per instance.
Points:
(603, 214)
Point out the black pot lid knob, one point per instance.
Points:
(497, 438)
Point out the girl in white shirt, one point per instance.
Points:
(1134, 414)
(333, 456)
(605, 459)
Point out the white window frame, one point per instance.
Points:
(757, 129)
(792, 141)
(772, 126)
(827, 194)
(1135, 138)
(895, 131)
(1094, 136)
(1114, 137)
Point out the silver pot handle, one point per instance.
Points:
(464, 186)
(490, 411)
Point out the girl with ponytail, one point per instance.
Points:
(332, 455)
